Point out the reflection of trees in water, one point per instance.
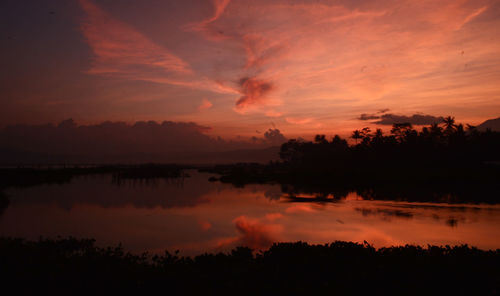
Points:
(437, 164)
(436, 193)
(112, 190)
(452, 222)
(147, 182)
(273, 193)
(386, 213)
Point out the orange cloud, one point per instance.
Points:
(205, 104)
(296, 120)
(273, 113)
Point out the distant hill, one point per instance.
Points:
(493, 124)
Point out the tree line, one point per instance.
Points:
(437, 145)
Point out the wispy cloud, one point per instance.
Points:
(299, 120)
(118, 47)
(122, 51)
(315, 56)
(203, 25)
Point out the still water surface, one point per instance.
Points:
(195, 216)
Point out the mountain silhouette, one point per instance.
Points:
(493, 124)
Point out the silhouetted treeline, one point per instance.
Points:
(435, 146)
(445, 163)
(73, 266)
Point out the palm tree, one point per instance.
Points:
(472, 129)
(449, 123)
(436, 130)
(357, 134)
(401, 130)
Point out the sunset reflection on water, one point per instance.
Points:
(196, 216)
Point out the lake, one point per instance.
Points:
(194, 216)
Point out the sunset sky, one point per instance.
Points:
(242, 67)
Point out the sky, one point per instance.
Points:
(242, 67)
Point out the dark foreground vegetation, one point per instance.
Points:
(72, 266)
(439, 163)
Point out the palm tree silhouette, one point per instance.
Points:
(436, 130)
(357, 134)
(449, 123)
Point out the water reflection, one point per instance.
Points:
(194, 216)
(108, 192)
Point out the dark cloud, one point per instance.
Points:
(253, 91)
(274, 137)
(416, 119)
(366, 116)
(390, 119)
(112, 142)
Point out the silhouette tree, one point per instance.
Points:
(436, 130)
(356, 135)
(401, 130)
(320, 139)
(449, 124)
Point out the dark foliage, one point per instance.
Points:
(72, 266)
(438, 163)
(435, 146)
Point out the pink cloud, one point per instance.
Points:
(122, 51)
(471, 16)
(205, 104)
(253, 91)
(117, 46)
(203, 26)
(318, 61)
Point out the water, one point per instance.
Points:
(196, 216)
